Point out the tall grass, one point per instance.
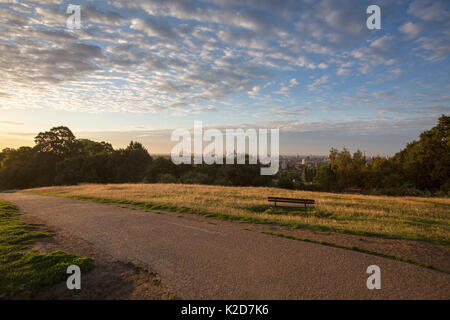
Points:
(395, 217)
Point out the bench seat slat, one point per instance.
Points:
(291, 200)
(287, 201)
(281, 198)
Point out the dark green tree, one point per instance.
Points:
(326, 178)
(59, 141)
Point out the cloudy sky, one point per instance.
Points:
(136, 70)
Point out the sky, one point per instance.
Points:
(137, 70)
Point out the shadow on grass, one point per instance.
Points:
(294, 211)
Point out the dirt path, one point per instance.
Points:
(197, 260)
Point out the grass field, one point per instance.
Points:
(24, 272)
(426, 219)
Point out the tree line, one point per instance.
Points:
(421, 168)
(59, 158)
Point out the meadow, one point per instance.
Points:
(416, 218)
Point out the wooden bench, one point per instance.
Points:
(292, 202)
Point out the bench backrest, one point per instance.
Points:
(291, 200)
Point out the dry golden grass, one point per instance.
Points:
(398, 217)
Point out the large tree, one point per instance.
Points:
(59, 141)
(426, 162)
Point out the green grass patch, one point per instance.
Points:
(25, 272)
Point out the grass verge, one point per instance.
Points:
(25, 272)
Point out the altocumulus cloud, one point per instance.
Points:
(197, 57)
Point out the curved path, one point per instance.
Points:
(199, 260)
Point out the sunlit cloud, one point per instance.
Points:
(173, 61)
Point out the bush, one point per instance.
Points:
(285, 180)
(167, 178)
(193, 177)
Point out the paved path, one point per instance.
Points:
(197, 260)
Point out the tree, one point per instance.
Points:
(90, 148)
(426, 162)
(59, 141)
(326, 178)
(347, 169)
(308, 173)
(131, 163)
(16, 168)
(382, 173)
(158, 167)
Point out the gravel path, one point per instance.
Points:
(199, 260)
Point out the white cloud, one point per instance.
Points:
(286, 88)
(411, 30)
(177, 55)
(436, 10)
(318, 82)
(435, 49)
(254, 91)
(11, 123)
(153, 26)
(383, 43)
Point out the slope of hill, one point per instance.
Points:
(412, 218)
